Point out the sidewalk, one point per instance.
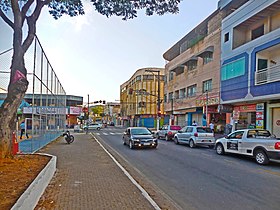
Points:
(87, 178)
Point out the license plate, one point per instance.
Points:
(146, 144)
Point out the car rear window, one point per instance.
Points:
(258, 134)
(175, 127)
(203, 130)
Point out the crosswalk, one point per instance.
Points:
(98, 133)
(108, 132)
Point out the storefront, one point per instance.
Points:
(273, 113)
(244, 116)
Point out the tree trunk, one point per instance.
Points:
(8, 111)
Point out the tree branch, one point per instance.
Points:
(16, 11)
(31, 22)
(6, 19)
(26, 7)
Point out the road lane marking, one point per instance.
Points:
(270, 172)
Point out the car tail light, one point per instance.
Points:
(196, 134)
(277, 145)
(169, 133)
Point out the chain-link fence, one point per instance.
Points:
(43, 109)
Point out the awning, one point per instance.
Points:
(208, 49)
(178, 69)
(193, 58)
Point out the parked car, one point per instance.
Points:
(195, 136)
(260, 144)
(138, 137)
(168, 131)
(93, 126)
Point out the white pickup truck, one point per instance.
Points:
(260, 144)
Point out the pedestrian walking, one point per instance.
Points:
(22, 130)
(211, 125)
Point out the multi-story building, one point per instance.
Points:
(192, 88)
(141, 98)
(250, 59)
(193, 75)
(112, 112)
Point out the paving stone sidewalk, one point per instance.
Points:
(87, 178)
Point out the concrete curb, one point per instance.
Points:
(30, 198)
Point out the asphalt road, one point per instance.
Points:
(199, 178)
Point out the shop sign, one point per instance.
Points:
(259, 115)
(44, 110)
(246, 108)
(212, 100)
(260, 106)
(278, 122)
(75, 110)
(235, 115)
(259, 124)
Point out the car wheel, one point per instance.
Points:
(98, 128)
(261, 157)
(131, 145)
(191, 143)
(176, 141)
(220, 149)
(166, 137)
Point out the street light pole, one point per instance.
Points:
(158, 95)
(88, 108)
(206, 112)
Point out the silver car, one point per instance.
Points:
(195, 136)
(260, 144)
(93, 126)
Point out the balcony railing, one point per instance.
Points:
(268, 75)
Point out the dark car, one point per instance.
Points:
(139, 137)
(168, 131)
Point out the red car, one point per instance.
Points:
(168, 131)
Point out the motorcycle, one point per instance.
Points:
(68, 137)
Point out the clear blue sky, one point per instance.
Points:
(94, 55)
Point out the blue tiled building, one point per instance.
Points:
(250, 64)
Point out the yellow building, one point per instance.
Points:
(141, 98)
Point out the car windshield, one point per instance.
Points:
(203, 130)
(140, 131)
(175, 127)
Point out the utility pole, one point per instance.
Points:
(88, 108)
(158, 95)
(206, 112)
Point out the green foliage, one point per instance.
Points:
(127, 9)
(97, 109)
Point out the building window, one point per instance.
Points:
(257, 32)
(148, 77)
(207, 86)
(192, 64)
(138, 78)
(207, 57)
(233, 69)
(142, 104)
(176, 94)
(170, 96)
(226, 37)
(191, 90)
(171, 75)
(165, 98)
(182, 93)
